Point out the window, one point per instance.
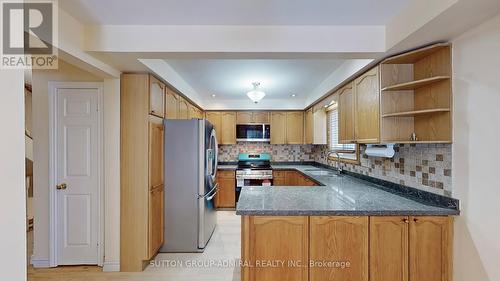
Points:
(333, 136)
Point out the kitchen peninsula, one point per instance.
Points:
(346, 229)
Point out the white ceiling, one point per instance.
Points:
(234, 12)
(231, 79)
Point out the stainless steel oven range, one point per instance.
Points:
(253, 170)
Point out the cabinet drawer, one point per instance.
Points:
(225, 174)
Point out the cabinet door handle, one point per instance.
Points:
(415, 220)
(405, 220)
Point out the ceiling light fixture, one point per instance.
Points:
(255, 95)
(213, 95)
(293, 95)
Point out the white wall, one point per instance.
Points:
(71, 73)
(112, 174)
(12, 189)
(476, 59)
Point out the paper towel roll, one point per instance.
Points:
(380, 150)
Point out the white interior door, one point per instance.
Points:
(77, 176)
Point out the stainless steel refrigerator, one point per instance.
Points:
(190, 184)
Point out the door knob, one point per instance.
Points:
(61, 186)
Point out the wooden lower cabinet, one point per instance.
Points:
(281, 181)
(291, 178)
(331, 248)
(226, 197)
(156, 220)
(411, 248)
(389, 248)
(339, 239)
(283, 241)
(156, 155)
(431, 240)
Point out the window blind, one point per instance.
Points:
(333, 136)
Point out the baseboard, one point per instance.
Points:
(39, 262)
(111, 266)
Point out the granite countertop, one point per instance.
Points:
(341, 196)
(226, 167)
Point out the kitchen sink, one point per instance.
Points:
(320, 173)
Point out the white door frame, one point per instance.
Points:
(53, 208)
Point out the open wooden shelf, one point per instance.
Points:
(416, 55)
(416, 112)
(415, 142)
(416, 96)
(415, 84)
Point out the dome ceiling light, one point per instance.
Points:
(255, 95)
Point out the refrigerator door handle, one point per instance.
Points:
(212, 191)
(213, 195)
(213, 136)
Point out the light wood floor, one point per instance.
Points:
(224, 247)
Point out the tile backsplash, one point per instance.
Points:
(423, 166)
(279, 152)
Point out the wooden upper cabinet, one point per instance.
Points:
(156, 97)
(294, 127)
(228, 128)
(278, 127)
(431, 240)
(171, 104)
(156, 220)
(183, 109)
(252, 117)
(244, 117)
(276, 238)
(194, 112)
(389, 248)
(309, 126)
(200, 113)
(215, 118)
(341, 238)
(156, 140)
(346, 114)
(367, 105)
(261, 117)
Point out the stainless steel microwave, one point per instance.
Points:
(253, 132)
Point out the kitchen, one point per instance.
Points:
(317, 140)
(296, 174)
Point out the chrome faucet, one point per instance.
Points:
(339, 164)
